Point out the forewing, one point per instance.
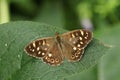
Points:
(46, 49)
(40, 47)
(78, 38)
(74, 43)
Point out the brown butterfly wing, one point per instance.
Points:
(39, 48)
(47, 49)
(54, 55)
(71, 53)
(74, 43)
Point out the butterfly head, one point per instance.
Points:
(57, 34)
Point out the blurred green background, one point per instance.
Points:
(100, 16)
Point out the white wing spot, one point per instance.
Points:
(46, 57)
(78, 45)
(34, 44)
(76, 34)
(39, 52)
(38, 48)
(79, 53)
(85, 37)
(43, 43)
(73, 35)
(30, 47)
(33, 50)
(82, 32)
(81, 42)
(50, 55)
(87, 33)
(74, 48)
(43, 53)
(80, 38)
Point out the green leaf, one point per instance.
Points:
(90, 74)
(15, 64)
(108, 69)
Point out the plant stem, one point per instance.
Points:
(4, 11)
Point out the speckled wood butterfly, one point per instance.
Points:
(52, 50)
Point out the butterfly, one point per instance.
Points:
(52, 50)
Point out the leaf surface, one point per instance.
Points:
(15, 64)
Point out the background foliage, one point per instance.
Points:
(101, 16)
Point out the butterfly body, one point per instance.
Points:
(52, 50)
